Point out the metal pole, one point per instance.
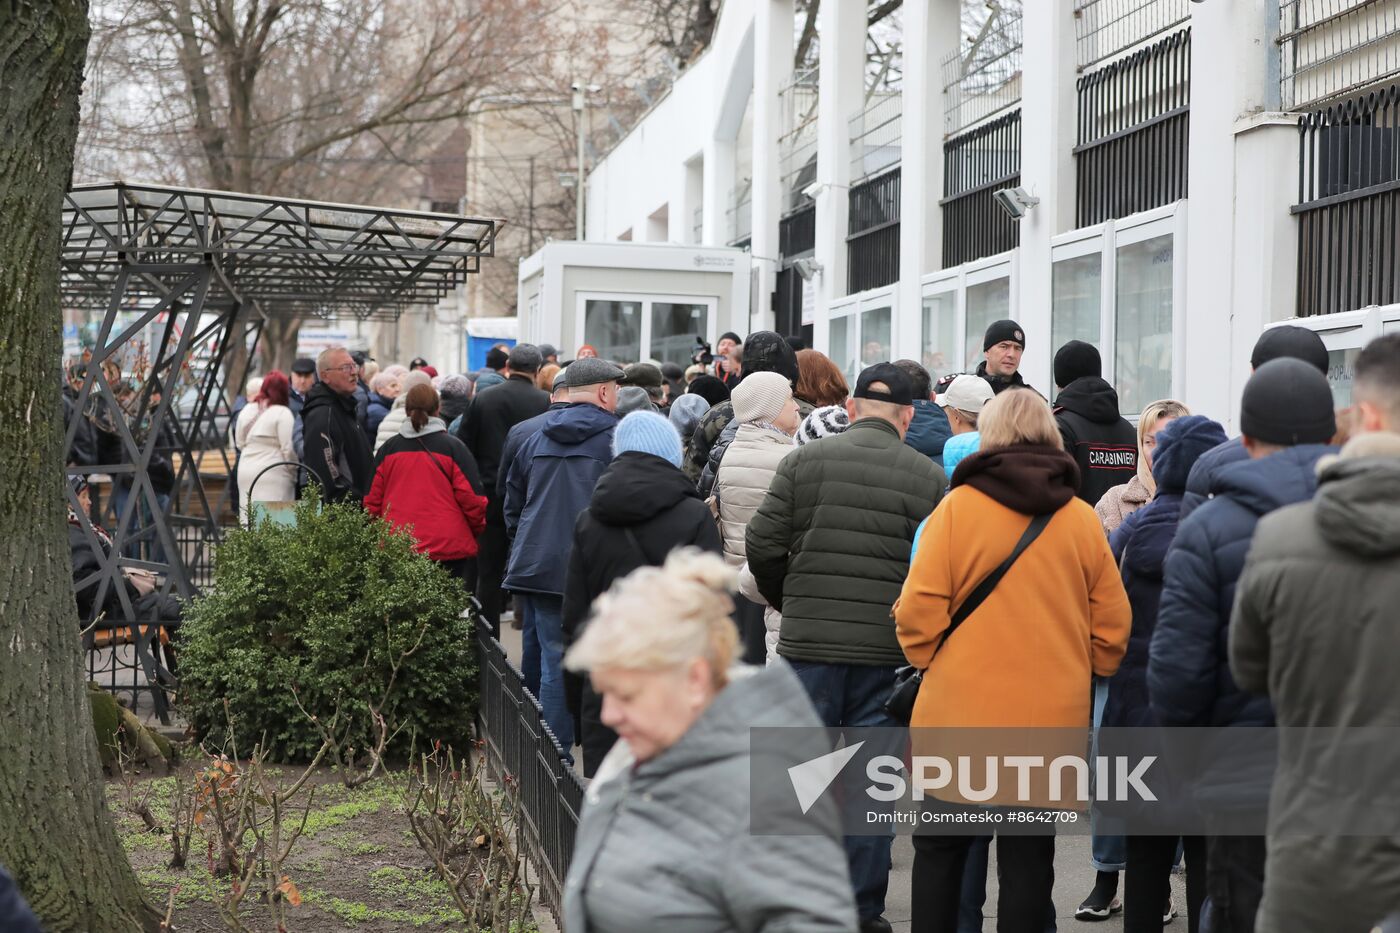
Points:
(579, 102)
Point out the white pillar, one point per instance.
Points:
(1240, 240)
(719, 179)
(772, 65)
(930, 35)
(1048, 121)
(841, 86)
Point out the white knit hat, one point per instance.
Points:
(760, 397)
(824, 422)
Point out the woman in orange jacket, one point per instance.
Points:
(1025, 657)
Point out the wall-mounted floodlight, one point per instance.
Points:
(1015, 201)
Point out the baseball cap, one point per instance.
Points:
(304, 366)
(361, 357)
(417, 363)
(547, 350)
(965, 393)
(896, 383)
(590, 371)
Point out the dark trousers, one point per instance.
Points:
(854, 695)
(464, 569)
(1147, 881)
(493, 549)
(1025, 879)
(748, 616)
(1234, 882)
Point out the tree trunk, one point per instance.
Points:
(55, 833)
(279, 342)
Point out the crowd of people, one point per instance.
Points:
(694, 552)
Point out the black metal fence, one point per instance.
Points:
(1134, 114)
(520, 746)
(797, 231)
(872, 241)
(1349, 204)
(975, 164)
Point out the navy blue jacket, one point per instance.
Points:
(1189, 671)
(550, 482)
(929, 430)
(376, 412)
(517, 435)
(15, 915)
(1207, 470)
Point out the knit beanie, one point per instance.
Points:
(760, 397)
(824, 422)
(648, 433)
(633, 398)
(686, 412)
(1180, 444)
(1290, 340)
(998, 331)
(1288, 402)
(766, 351)
(1075, 360)
(709, 388)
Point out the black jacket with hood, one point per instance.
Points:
(1099, 439)
(642, 508)
(335, 449)
(764, 351)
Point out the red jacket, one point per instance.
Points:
(425, 482)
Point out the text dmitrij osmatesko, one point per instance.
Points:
(1063, 780)
(967, 817)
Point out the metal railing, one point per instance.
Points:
(975, 164)
(1134, 117)
(520, 747)
(797, 231)
(872, 243)
(985, 80)
(875, 134)
(1332, 48)
(1103, 28)
(739, 214)
(797, 146)
(1348, 199)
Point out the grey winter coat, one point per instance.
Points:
(1314, 629)
(666, 845)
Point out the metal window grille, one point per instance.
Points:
(797, 147)
(1332, 48)
(1103, 28)
(984, 80)
(976, 164)
(1349, 204)
(797, 232)
(1133, 132)
(740, 213)
(520, 747)
(872, 244)
(875, 134)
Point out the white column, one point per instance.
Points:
(1240, 240)
(930, 34)
(841, 86)
(719, 179)
(1048, 120)
(772, 65)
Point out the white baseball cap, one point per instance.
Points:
(966, 393)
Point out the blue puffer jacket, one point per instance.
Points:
(550, 482)
(929, 430)
(1207, 471)
(1188, 675)
(1144, 553)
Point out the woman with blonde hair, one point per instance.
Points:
(1025, 654)
(664, 839)
(1126, 498)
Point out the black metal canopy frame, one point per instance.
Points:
(204, 270)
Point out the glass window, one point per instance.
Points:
(674, 329)
(841, 352)
(1143, 312)
(939, 349)
(1341, 369)
(613, 328)
(986, 302)
(1076, 299)
(875, 336)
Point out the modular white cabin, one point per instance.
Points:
(633, 301)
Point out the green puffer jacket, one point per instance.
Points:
(829, 547)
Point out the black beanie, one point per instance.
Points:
(709, 388)
(766, 351)
(1075, 360)
(1003, 330)
(1293, 341)
(1288, 402)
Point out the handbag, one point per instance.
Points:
(908, 679)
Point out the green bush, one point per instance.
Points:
(326, 607)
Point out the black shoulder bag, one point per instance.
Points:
(908, 679)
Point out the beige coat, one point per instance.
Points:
(742, 481)
(1120, 502)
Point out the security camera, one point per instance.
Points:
(811, 191)
(808, 268)
(1015, 201)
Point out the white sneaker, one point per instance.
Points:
(1169, 914)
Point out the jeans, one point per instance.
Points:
(149, 548)
(1107, 848)
(545, 615)
(854, 695)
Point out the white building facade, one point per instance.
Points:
(1202, 170)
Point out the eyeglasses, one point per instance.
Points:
(348, 368)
